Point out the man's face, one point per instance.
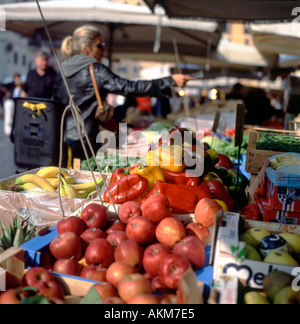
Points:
(42, 63)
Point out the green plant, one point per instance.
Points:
(16, 234)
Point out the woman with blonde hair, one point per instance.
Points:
(87, 47)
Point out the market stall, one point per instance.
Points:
(170, 218)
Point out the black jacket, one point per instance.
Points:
(76, 70)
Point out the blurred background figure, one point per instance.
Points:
(237, 92)
(12, 90)
(40, 82)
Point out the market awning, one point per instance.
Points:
(277, 40)
(230, 10)
(131, 30)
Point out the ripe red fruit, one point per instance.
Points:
(156, 208)
(99, 252)
(68, 267)
(66, 246)
(91, 234)
(192, 249)
(206, 210)
(117, 271)
(141, 230)
(116, 238)
(132, 285)
(113, 226)
(172, 270)
(71, 224)
(170, 231)
(153, 256)
(95, 215)
(130, 252)
(105, 290)
(50, 289)
(130, 210)
(33, 276)
(92, 272)
(199, 231)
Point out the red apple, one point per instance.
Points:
(96, 273)
(192, 249)
(11, 297)
(67, 266)
(132, 285)
(206, 210)
(144, 299)
(130, 252)
(105, 290)
(156, 208)
(172, 268)
(141, 230)
(130, 210)
(112, 301)
(199, 231)
(116, 238)
(117, 271)
(153, 256)
(66, 246)
(113, 226)
(95, 215)
(91, 234)
(33, 276)
(99, 252)
(50, 289)
(170, 231)
(71, 224)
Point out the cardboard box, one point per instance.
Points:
(274, 215)
(230, 252)
(256, 158)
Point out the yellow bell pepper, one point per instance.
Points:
(167, 157)
(152, 173)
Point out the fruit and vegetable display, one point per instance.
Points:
(277, 290)
(139, 258)
(48, 179)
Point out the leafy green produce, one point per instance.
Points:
(278, 143)
(222, 146)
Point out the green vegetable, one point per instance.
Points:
(278, 143)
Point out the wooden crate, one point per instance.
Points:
(256, 158)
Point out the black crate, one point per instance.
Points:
(36, 132)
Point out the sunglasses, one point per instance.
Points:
(101, 45)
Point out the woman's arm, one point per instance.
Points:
(153, 88)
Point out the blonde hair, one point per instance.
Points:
(84, 35)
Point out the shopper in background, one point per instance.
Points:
(87, 47)
(40, 81)
(12, 90)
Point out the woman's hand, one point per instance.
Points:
(181, 80)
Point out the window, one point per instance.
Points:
(16, 57)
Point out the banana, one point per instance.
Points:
(29, 186)
(70, 191)
(51, 172)
(55, 181)
(89, 187)
(37, 180)
(83, 194)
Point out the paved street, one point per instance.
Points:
(7, 167)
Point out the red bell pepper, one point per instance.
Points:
(252, 212)
(128, 188)
(183, 199)
(117, 175)
(180, 178)
(219, 192)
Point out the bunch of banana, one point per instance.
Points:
(48, 179)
